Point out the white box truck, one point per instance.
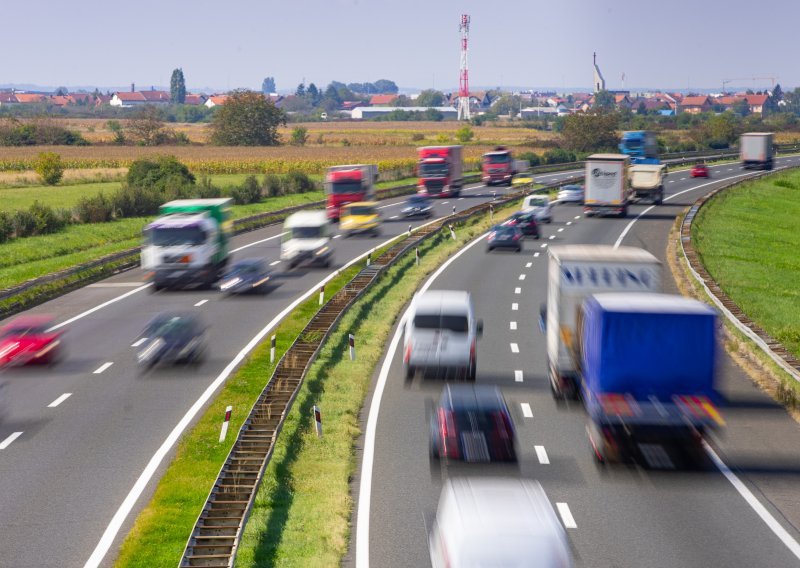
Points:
(755, 150)
(606, 185)
(574, 272)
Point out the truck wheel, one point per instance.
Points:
(156, 287)
(624, 212)
(409, 372)
(660, 197)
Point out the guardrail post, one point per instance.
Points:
(272, 349)
(351, 340)
(224, 432)
(318, 421)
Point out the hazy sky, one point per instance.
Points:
(236, 43)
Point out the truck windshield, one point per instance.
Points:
(306, 232)
(497, 158)
(169, 237)
(458, 324)
(433, 170)
(341, 187)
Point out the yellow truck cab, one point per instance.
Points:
(360, 217)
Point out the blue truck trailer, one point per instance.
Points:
(647, 369)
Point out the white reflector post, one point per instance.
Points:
(352, 341)
(224, 432)
(272, 349)
(318, 421)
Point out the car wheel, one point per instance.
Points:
(519, 249)
(409, 372)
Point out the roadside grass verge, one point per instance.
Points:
(301, 516)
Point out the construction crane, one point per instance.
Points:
(726, 81)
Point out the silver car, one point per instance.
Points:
(571, 194)
(540, 206)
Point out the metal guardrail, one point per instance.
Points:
(215, 538)
(773, 348)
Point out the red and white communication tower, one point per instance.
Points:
(463, 81)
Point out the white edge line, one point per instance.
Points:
(541, 454)
(111, 531)
(368, 458)
(566, 516)
(755, 504)
(7, 442)
(59, 400)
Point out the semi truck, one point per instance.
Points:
(187, 245)
(498, 166)
(606, 185)
(440, 170)
(641, 146)
(647, 181)
(755, 150)
(647, 376)
(349, 184)
(574, 272)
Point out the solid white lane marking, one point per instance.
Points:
(115, 285)
(529, 264)
(368, 458)
(200, 303)
(535, 254)
(560, 229)
(59, 400)
(138, 342)
(518, 290)
(566, 516)
(99, 307)
(514, 348)
(275, 263)
(515, 306)
(526, 410)
(541, 453)
(552, 237)
(754, 503)
(103, 367)
(518, 376)
(569, 222)
(7, 442)
(254, 243)
(522, 277)
(512, 325)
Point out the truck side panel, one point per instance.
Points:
(605, 183)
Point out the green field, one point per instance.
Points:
(748, 239)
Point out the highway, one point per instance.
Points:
(86, 441)
(741, 511)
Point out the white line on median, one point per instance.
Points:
(200, 303)
(566, 516)
(59, 400)
(526, 410)
(115, 285)
(138, 342)
(512, 325)
(514, 348)
(103, 367)
(514, 306)
(518, 376)
(541, 453)
(7, 442)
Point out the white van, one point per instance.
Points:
(441, 334)
(496, 522)
(306, 239)
(540, 206)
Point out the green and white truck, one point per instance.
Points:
(188, 245)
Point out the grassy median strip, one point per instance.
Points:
(301, 516)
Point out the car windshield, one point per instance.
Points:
(538, 202)
(433, 170)
(505, 231)
(454, 323)
(174, 236)
(306, 232)
(498, 158)
(341, 187)
(175, 327)
(360, 210)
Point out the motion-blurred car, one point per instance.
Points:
(472, 423)
(504, 236)
(170, 338)
(246, 276)
(540, 205)
(417, 206)
(26, 340)
(571, 194)
(359, 218)
(525, 222)
(522, 179)
(496, 522)
(700, 171)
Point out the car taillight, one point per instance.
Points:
(447, 432)
(503, 425)
(516, 237)
(407, 355)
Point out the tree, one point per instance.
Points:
(642, 108)
(506, 104)
(604, 101)
(268, 85)
(430, 98)
(313, 94)
(299, 136)
(590, 132)
(301, 90)
(147, 126)
(247, 119)
(741, 107)
(777, 93)
(722, 129)
(177, 87)
(385, 86)
(49, 167)
(62, 92)
(465, 134)
(403, 101)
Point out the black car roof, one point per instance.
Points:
(472, 397)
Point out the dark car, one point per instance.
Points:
(246, 276)
(525, 221)
(417, 206)
(28, 340)
(170, 338)
(700, 170)
(472, 423)
(504, 236)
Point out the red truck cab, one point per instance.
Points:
(440, 171)
(497, 167)
(348, 184)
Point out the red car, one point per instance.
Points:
(700, 171)
(26, 340)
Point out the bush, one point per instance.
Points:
(558, 156)
(299, 136)
(417, 137)
(206, 190)
(24, 223)
(532, 157)
(465, 134)
(271, 186)
(133, 201)
(6, 226)
(160, 173)
(47, 220)
(248, 192)
(297, 182)
(718, 144)
(95, 209)
(49, 167)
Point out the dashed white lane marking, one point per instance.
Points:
(445, 202)
(522, 277)
(561, 229)
(254, 243)
(200, 303)
(7, 442)
(461, 199)
(566, 516)
(514, 306)
(577, 216)
(103, 367)
(529, 264)
(512, 325)
(138, 342)
(526, 410)
(99, 307)
(59, 400)
(536, 254)
(275, 263)
(336, 236)
(730, 169)
(518, 290)
(115, 285)
(569, 222)
(672, 181)
(541, 453)
(681, 179)
(544, 245)
(552, 237)
(518, 376)
(394, 217)
(514, 348)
